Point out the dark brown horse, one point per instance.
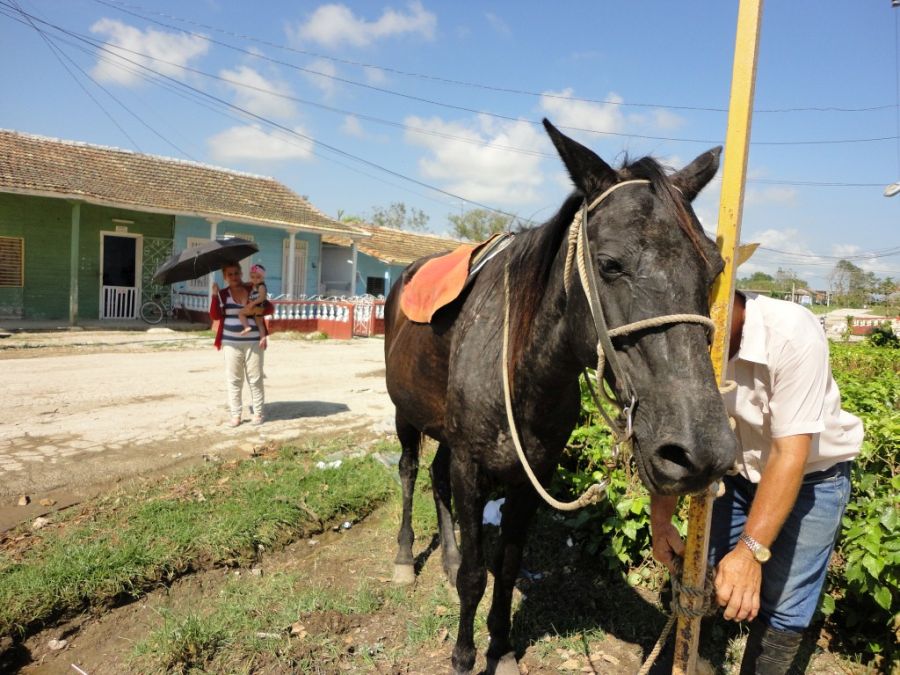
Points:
(650, 258)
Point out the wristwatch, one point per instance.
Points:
(760, 552)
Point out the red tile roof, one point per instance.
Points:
(50, 167)
(396, 247)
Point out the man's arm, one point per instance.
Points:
(666, 541)
(739, 574)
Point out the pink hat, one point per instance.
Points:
(259, 269)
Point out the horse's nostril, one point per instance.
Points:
(675, 454)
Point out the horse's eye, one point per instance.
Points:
(610, 268)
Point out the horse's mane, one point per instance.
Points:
(531, 261)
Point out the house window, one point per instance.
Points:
(301, 248)
(12, 262)
(375, 285)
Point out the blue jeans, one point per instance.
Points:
(793, 578)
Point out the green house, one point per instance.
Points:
(84, 227)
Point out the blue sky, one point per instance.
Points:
(359, 104)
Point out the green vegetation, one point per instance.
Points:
(862, 601)
(863, 597)
(252, 619)
(118, 547)
(480, 224)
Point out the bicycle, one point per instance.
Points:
(153, 311)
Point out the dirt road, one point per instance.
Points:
(81, 410)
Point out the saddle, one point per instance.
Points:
(440, 280)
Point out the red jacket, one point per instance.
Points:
(217, 312)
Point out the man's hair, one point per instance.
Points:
(229, 265)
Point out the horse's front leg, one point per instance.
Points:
(440, 485)
(521, 503)
(410, 443)
(469, 493)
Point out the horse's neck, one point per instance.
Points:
(553, 362)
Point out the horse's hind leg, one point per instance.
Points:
(440, 485)
(518, 510)
(410, 442)
(469, 492)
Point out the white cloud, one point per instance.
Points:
(324, 82)
(255, 93)
(844, 250)
(563, 111)
(777, 194)
(374, 75)
(481, 169)
(173, 50)
(667, 121)
(498, 24)
(252, 143)
(352, 127)
(335, 25)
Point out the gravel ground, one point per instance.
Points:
(83, 409)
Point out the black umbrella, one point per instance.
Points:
(193, 263)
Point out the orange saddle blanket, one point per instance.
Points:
(439, 281)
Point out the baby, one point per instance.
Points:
(254, 306)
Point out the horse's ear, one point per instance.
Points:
(589, 173)
(694, 177)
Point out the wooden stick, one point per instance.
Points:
(734, 172)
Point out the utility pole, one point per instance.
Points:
(734, 174)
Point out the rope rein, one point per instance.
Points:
(686, 600)
(579, 252)
(679, 608)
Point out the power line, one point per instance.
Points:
(272, 123)
(487, 113)
(134, 10)
(72, 76)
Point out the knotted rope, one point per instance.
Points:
(706, 596)
(579, 251)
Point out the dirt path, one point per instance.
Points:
(82, 410)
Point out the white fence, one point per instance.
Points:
(119, 302)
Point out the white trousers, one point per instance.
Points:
(244, 361)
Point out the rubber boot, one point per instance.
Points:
(769, 651)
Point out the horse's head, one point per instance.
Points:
(651, 259)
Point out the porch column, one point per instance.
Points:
(213, 226)
(73, 263)
(353, 257)
(292, 255)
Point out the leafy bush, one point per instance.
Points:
(863, 595)
(883, 336)
(862, 600)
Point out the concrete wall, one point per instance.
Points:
(271, 250)
(46, 226)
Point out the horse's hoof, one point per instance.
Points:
(505, 665)
(404, 575)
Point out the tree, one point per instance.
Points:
(344, 217)
(851, 285)
(396, 216)
(479, 224)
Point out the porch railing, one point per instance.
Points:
(119, 302)
(338, 318)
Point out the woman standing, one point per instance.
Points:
(243, 351)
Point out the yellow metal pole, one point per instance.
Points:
(734, 172)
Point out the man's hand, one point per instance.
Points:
(738, 579)
(666, 541)
(666, 544)
(215, 288)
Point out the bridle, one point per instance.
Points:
(579, 252)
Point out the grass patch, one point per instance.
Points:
(115, 548)
(250, 623)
